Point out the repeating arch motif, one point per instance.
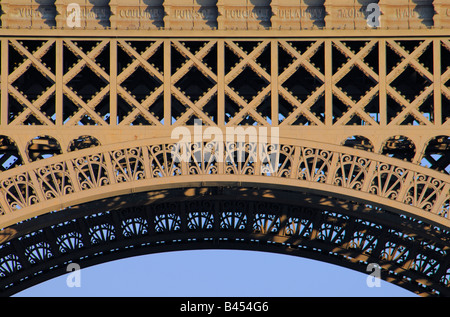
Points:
(18, 191)
(42, 147)
(314, 165)
(387, 181)
(55, 180)
(408, 255)
(351, 171)
(355, 173)
(91, 171)
(9, 154)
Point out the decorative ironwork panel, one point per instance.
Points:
(356, 92)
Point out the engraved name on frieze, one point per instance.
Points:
(249, 13)
(351, 13)
(414, 12)
(94, 12)
(299, 13)
(142, 13)
(25, 12)
(195, 14)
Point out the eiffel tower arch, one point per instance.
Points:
(352, 98)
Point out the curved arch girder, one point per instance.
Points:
(86, 175)
(411, 256)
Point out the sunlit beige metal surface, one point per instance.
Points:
(91, 91)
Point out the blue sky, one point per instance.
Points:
(220, 273)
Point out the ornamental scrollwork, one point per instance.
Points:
(314, 165)
(19, 193)
(394, 252)
(240, 158)
(423, 192)
(266, 223)
(200, 220)
(70, 241)
(91, 171)
(277, 160)
(38, 252)
(230, 220)
(351, 171)
(299, 227)
(134, 227)
(128, 164)
(9, 264)
(204, 158)
(162, 163)
(54, 180)
(387, 181)
(444, 210)
(363, 241)
(284, 161)
(167, 222)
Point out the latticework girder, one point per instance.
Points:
(372, 93)
(362, 116)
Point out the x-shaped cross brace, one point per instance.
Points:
(445, 77)
(140, 60)
(193, 60)
(301, 60)
(35, 60)
(247, 60)
(409, 59)
(355, 60)
(86, 60)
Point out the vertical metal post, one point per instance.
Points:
(167, 84)
(113, 82)
(220, 82)
(274, 82)
(437, 82)
(382, 82)
(328, 84)
(59, 62)
(4, 84)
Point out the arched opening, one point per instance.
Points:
(222, 273)
(9, 154)
(43, 147)
(436, 155)
(111, 202)
(359, 142)
(399, 147)
(83, 142)
(234, 218)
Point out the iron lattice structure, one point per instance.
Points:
(363, 117)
